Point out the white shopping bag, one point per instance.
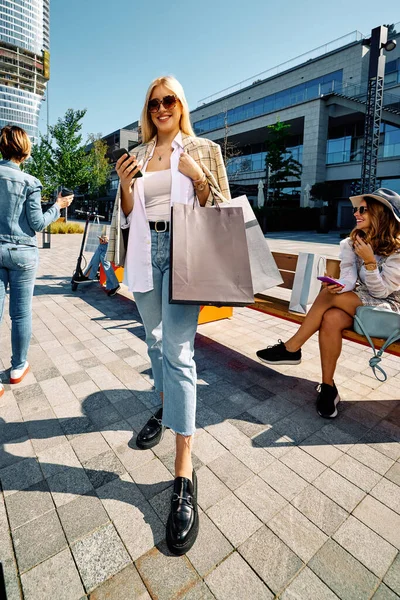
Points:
(306, 286)
(264, 272)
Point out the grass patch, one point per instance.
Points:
(60, 227)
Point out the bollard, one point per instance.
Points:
(46, 237)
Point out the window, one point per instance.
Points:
(294, 95)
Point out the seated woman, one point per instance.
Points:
(369, 276)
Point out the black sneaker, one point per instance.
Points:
(81, 279)
(278, 355)
(113, 291)
(327, 400)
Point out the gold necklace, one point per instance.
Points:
(160, 156)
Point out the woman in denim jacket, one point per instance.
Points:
(21, 217)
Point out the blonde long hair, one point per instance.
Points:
(384, 231)
(149, 130)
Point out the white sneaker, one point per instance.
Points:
(17, 375)
(1, 389)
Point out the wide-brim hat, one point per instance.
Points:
(387, 197)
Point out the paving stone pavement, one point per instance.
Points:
(291, 506)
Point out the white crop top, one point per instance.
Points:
(157, 194)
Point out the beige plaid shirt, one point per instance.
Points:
(206, 153)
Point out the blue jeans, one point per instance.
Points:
(100, 257)
(18, 265)
(170, 332)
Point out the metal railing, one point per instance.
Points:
(350, 38)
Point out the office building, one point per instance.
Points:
(24, 61)
(322, 95)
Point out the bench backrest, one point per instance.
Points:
(287, 264)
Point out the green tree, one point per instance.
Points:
(69, 161)
(40, 165)
(279, 163)
(98, 166)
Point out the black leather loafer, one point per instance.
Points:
(183, 520)
(152, 432)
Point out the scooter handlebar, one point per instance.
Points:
(89, 214)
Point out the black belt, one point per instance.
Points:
(159, 226)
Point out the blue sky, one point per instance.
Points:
(104, 54)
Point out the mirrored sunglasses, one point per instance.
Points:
(360, 209)
(167, 102)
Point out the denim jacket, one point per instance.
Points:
(21, 212)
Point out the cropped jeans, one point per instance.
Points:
(18, 265)
(100, 257)
(170, 332)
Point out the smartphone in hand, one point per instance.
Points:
(329, 280)
(124, 152)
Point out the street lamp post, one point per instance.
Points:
(377, 43)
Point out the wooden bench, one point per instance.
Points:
(277, 304)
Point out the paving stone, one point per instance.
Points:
(78, 377)
(394, 473)
(20, 475)
(339, 489)
(57, 577)
(75, 426)
(210, 489)
(58, 458)
(272, 410)
(48, 373)
(388, 493)
(320, 509)
(103, 468)
(151, 478)
(88, 445)
(29, 504)
(303, 464)
(68, 484)
(319, 449)
(230, 470)
(227, 435)
(99, 556)
(125, 585)
(392, 577)
(347, 577)
(161, 503)
(260, 498)
(166, 575)
(371, 458)
(365, 545)
(248, 424)
(15, 451)
(236, 529)
(207, 448)
(198, 592)
(273, 442)
(235, 579)
(380, 519)
(120, 495)
(210, 549)
(271, 559)
(384, 593)
(38, 540)
(82, 516)
(306, 586)
(254, 457)
(285, 481)
(356, 472)
(302, 536)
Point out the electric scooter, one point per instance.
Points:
(78, 269)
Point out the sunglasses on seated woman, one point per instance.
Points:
(360, 209)
(167, 102)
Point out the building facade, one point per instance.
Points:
(24, 61)
(322, 96)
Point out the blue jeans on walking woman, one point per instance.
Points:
(100, 257)
(18, 266)
(170, 332)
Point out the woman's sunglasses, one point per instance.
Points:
(360, 209)
(167, 102)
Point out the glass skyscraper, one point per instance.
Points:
(24, 61)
